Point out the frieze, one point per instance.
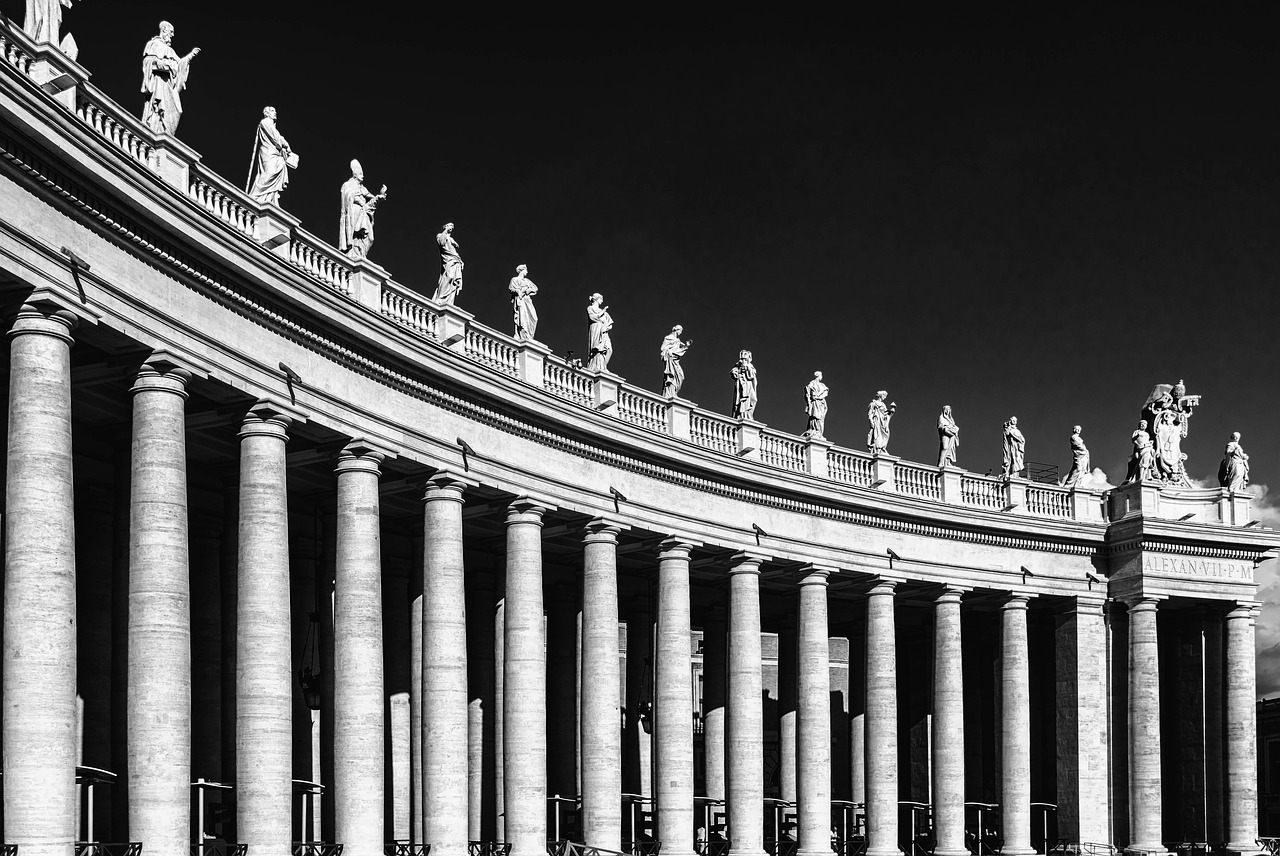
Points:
(1191, 566)
(1133, 545)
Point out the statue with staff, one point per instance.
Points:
(164, 76)
(272, 158)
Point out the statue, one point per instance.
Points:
(272, 157)
(355, 231)
(744, 387)
(948, 438)
(1167, 411)
(1081, 471)
(1233, 474)
(815, 405)
(44, 20)
(672, 350)
(599, 323)
(449, 286)
(878, 415)
(522, 291)
(1015, 449)
(1142, 461)
(164, 76)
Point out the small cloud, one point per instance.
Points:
(1099, 479)
(1266, 508)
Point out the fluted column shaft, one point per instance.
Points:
(445, 698)
(601, 737)
(813, 717)
(39, 740)
(1241, 749)
(881, 737)
(524, 697)
(948, 726)
(264, 687)
(1015, 734)
(744, 723)
(673, 703)
(1145, 820)
(358, 726)
(159, 693)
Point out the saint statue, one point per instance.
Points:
(878, 416)
(1081, 469)
(526, 316)
(269, 171)
(815, 405)
(355, 231)
(44, 20)
(948, 438)
(164, 76)
(744, 387)
(671, 352)
(1167, 412)
(1143, 460)
(599, 323)
(1015, 449)
(449, 286)
(1233, 474)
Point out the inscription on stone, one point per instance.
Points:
(1188, 566)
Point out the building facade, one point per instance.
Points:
(530, 601)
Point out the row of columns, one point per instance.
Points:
(39, 742)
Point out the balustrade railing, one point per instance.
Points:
(312, 255)
(17, 56)
(982, 491)
(1048, 501)
(781, 450)
(916, 480)
(491, 351)
(712, 431)
(642, 408)
(409, 309)
(564, 381)
(220, 199)
(850, 467)
(111, 123)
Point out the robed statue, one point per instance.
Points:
(744, 387)
(671, 351)
(44, 21)
(948, 437)
(815, 407)
(1233, 474)
(164, 76)
(1015, 449)
(878, 416)
(599, 344)
(449, 285)
(355, 230)
(1142, 460)
(272, 157)
(1081, 468)
(525, 315)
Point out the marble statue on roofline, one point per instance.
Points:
(1142, 461)
(43, 22)
(449, 286)
(1233, 473)
(878, 416)
(272, 157)
(164, 76)
(355, 231)
(673, 348)
(599, 344)
(1015, 449)
(815, 407)
(744, 387)
(1167, 412)
(522, 291)
(1081, 469)
(948, 437)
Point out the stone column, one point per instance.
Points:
(673, 703)
(1241, 713)
(1214, 729)
(713, 700)
(1015, 733)
(1145, 820)
(744, 725)
(416, 775)
(881, 738)
(39, 735)
(159, 695)
(444, 670)
(813, 716)
(358, 714)
(524, 694)
(601, 736)
(264, 686)
(948, 726)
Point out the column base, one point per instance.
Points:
(893, 851)
(734, 851)
(1147, 850)
(1010, 851)
(965, 852)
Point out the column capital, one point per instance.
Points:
(1141, 603)
(884, 585)
(356, 457)
(1087, 604)
(161, 376)
(602, 530)
(1016, 600)
(676, 547)
(745, 562)
(447, 485)
(1243, 609)
(950, 594)
(53, 307)
(268, 416)
(524, 509)
(815, 575)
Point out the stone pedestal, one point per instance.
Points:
(813, 716)
(601, 738)
(881, 741)
(948, 726)
(744, 726)
(673, 701)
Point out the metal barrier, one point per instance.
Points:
(489, 848)
(404, 848)
(10, 850)
(316, 848)
(1048, 827)
(573, 848)
(915, 837)
(984, 839)
(782, 847)
(100, 848)
(855, 845)
(219, 848)
(1269, 845)
(714, 847)
(643, 847)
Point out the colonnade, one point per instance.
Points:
(39, 677)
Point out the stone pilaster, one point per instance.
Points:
(744, 731)
(445, 696)
(1145, 820)
(359, 729)
(813, 716)
(673, 703)
(159, 694)
(1241, 716)
(881, 738)
(39, 736)
(948, 726)
(264, 686)
(601, 738)
(713, 700)
(524, 703)
(1015, 732)
(1080, 646)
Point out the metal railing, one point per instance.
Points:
(219, 848)
(854, 846)
(9, 850)
(489, 848)
(573, 848)
(404, 848)
(316, 848)
(983, 838)
(99, 848)
(644, 847)
(713, 847)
